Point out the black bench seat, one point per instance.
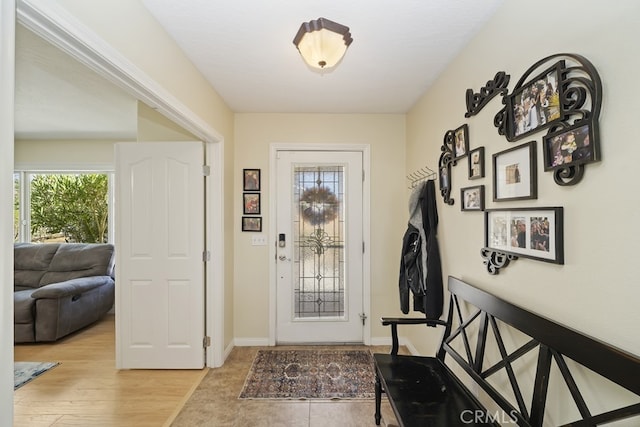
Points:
(513, 376)
(423, 392)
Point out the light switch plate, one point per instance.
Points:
(259, 240)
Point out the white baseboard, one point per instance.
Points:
(251, 342)
(227, 351)
(264, 342)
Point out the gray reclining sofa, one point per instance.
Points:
(60, 288)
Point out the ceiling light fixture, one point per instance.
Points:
(322, 43)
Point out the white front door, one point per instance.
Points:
(319, 251)
(159, 255)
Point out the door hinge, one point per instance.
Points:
(362, 175)
(362, 247)
(363, 317)
(206, 170)
(206, 342)
(206, 256)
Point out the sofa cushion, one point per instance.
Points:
(73, 260)
(31, 262)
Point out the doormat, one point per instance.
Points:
(310, 374)
(23, 372)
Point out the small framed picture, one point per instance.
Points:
(514, 173)
(572, 146)
(472, 198)
(535, 233)
(251, 203)
(444, 179)
(476, 163)
(251, 179)
(251, 223)
(461, 142)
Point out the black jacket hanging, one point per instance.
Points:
(434, 297)
(420, 260)
(411, 274)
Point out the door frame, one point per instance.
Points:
(366, 228)
(7, 108)
(55, 25)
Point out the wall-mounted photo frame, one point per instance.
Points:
(251, 179)
(445, 183)
(570, 147)
(536, 104)
(252, 223)
(461, 142)
(535, 233)
(472, 198)
(514, 173)
(251, 203)
(476, 163)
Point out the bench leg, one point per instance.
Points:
(378, 399)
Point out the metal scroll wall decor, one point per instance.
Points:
(495, 260)
(562, 93)
(447, 159)
(476, 101)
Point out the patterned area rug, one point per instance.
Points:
(310, 374)
(23, 372)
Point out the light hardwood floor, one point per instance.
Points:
(87, 390)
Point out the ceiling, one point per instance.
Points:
(244, 49)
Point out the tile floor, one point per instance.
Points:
(216, 403)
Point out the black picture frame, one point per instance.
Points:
(461, 142)
(536, 104)
(251, 203)
(476, 163)
(444, 181)
(515, 173)
(472, 198)
(535, 233)
(252, 223)
(251, 179)
(571, 146)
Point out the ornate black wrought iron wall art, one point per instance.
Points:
(495, 260)
(565, 98)
(447, 159)
(477, 101)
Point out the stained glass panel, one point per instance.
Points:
(319, 249)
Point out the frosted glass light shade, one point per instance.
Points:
(322, 43)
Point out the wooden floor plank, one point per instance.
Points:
(87, 390)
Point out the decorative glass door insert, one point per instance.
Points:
(319, 242)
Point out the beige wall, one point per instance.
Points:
(74, 153)
(254, 133)
(81, 153)
(153, 126)
(596, 291)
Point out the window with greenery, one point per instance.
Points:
(62, 207)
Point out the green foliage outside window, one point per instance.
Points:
(74, 206)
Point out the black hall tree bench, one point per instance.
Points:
(424, 391)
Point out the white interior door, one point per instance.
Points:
(320, 247)
(160, 243)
